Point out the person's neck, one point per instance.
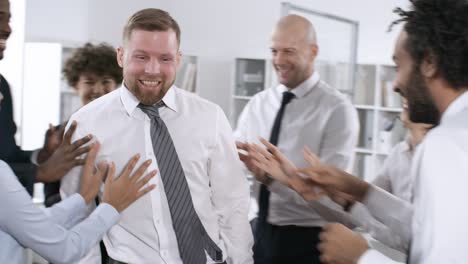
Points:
(301, 82)
(417, 134)
(446, 96)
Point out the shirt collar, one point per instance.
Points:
(304, 88)
(458, 105)
(130, 102)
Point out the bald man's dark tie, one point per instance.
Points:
(264, 198)
(192, 238)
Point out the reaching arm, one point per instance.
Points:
(32, 228)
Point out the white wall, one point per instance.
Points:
(63, 21)
(216, 30)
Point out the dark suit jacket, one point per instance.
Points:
(18, 159)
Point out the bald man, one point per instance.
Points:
(302, 111)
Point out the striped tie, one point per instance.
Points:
(192, 238)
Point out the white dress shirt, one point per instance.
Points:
(320, 118)
(440, 169)
(440, 230)
(206, 149)
(58, 233)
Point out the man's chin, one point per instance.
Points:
(149, 98)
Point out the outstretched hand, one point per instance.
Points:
(339, 185)
(122, 191)
(258, 173)
(64, 158)
(281, 169)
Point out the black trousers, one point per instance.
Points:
(286, 245)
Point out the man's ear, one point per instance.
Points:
(429, 66)
(314, 50)
(120, 54)
(178, 59)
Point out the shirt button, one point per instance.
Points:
(164, 253)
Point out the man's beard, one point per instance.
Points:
(148, 97)
(421, 107)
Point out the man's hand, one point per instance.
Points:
(53, 139)
(339, 185)
(273, 162)
(128, 187)
(64, 158)
(258, 173)
(340, 245)
(92, 178)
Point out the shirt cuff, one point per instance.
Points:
(372, 256)
(77, 202)
(107, 214)
(275, 186)
(34, 155)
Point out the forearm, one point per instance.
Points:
(68, 212)
(71, 245)
(396, 214)
(376, 229)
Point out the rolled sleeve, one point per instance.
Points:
(397, 214)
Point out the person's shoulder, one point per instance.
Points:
(331, 94)
(8, 178)
(193, 102)
(265, 93)
(101, 105)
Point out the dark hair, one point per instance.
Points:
(439, 28)
(151, 19)
(100, 60)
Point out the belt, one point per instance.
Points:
(113, 261)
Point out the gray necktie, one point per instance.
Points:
(192, 238)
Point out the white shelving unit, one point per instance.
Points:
(187, 73)
(250, 76)
(378, 107)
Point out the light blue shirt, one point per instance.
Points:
(58, 234)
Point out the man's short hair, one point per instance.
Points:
(439, 28)
(151, 19)
(100, 60)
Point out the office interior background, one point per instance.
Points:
(225, 46)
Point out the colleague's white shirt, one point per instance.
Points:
(60, 234)
(204, 143)
(440, 230)
(320, 118)
(440, 167)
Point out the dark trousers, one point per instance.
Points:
(286, 245)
